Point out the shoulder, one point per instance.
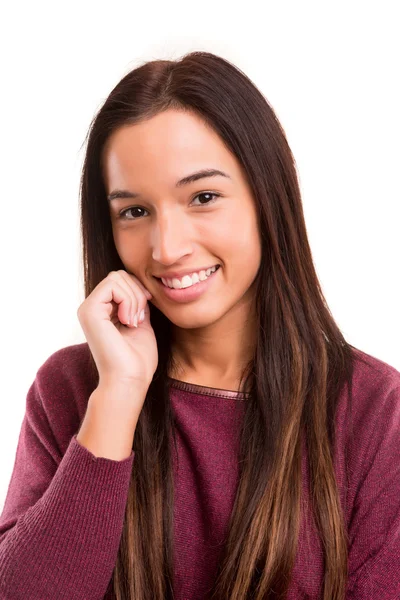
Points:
(66, 361)
(375, 397)
(372, 400)
(369, 420)
(370, 371)
(61, 389)
(68, 370)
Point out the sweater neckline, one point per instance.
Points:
(195, 388)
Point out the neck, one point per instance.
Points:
(214, 356)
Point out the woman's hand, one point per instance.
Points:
(123, 353)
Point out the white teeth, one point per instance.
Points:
(176, 284)
(187, 280)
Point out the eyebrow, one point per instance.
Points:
(184, 181)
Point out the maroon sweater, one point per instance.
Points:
(62, 520)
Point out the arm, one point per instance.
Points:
(62, 520)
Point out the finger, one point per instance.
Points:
(138, 289)
(132, 277)
(134, 293)
(112, 289)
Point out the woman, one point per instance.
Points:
(217, 437)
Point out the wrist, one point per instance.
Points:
(123, 385)
(118, 401)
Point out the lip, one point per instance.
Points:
(190, 293)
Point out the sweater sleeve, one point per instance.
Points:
(374, 531)
(62, 520)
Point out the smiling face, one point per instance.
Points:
(165, 228)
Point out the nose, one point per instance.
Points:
(171, 239)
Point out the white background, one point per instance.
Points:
(330, 71)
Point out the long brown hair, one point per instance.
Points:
(301, 360)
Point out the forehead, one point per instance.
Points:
(171, 143)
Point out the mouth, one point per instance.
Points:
(191, 292)
(193, 284)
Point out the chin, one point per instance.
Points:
(191, 321)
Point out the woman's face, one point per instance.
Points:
(169, 228)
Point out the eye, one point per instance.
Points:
(123, 213)
(207, 194)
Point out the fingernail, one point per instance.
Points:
(135, 323)
(141, 316)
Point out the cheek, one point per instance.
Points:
(241, 235)
(130, 251)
